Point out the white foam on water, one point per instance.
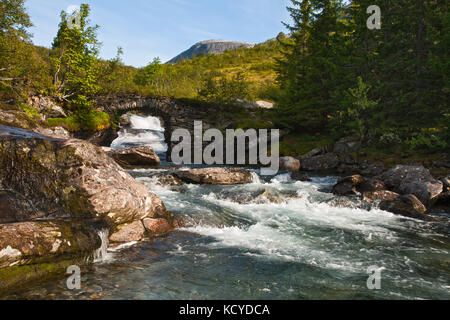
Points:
(146, 122)
(101, 255)
(146, 131)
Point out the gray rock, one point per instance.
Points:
(216, 176)
(320, 163)
(346, 146)
(407, 205)
(415, 180)
(289, 164)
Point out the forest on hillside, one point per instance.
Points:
(332, 77)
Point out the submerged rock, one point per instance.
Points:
(137, 156)
(166, 179)
(289, 164)
(299, 176)
(216, 176)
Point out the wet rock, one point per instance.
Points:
(407, 205)
(157, 227)
(347, 186)
(299, 176)
(125, 120)
(216, 176)
(134, 231)
(168, 180)
(381, 195)
(320, 163)
(137, 156)
(273, 197)
(446, 183)
(289, 164)
(441, 202)
(72, 179)
(371, 185)
(415, 180)
(26, 242)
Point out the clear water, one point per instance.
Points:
(238, 245)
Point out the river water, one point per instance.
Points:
(239, 245)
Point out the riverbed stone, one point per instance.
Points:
(216, 176)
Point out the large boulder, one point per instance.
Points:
(320, 163)
(72, 179)
(216, 176)
(407, 205)
(415, 180)
(137, 156)
(289, 164)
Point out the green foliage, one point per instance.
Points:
(223, 90)
(147, 75)
(14, 20)
(30, 111)
(405, 65)
(74, 59)
(361, 110)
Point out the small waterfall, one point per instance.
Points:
(255, 178)
(144, 131)
(101, 254)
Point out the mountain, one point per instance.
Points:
(210, 46)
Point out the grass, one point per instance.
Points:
(95, 121)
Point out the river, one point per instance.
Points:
(238, 245)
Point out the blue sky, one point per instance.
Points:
(164, 28)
